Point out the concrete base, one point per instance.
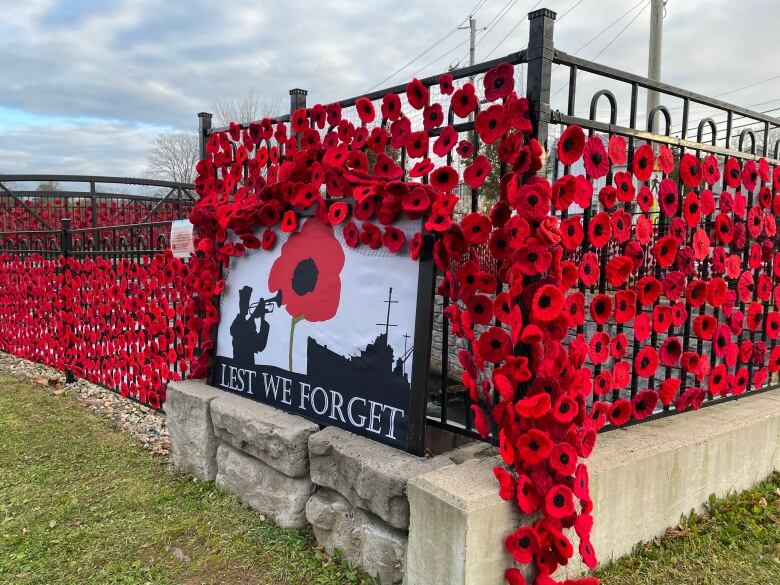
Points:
(642, 479)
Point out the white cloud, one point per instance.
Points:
(121, 65)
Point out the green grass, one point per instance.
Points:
(736, 543)
(80, 503)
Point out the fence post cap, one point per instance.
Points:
(542, 12)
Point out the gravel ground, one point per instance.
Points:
(148, 426)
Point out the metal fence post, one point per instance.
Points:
(66, 247)
(297, 101)
(204, 125)
(540, 56)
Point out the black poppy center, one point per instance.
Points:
(564, 458)
(304, 278)
(567, 144)
(596, 158)
(645, 362)
(492, 124)
(559, 501)
(544, 301)
(533, 200)
(533, 446)
(524, 542)
(564, 408)
(642, 162)
(495, 344)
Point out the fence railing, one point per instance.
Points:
(536, 67)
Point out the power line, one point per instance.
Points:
(616, 37)
(514, 28)
(609, 26)
(477, 6)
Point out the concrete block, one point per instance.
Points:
(642, 479)
(458, 525)
(370, 475)
(274, 437)
(263, 488)
(361, 537)
(193, 444)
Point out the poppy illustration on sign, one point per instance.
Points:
(307, 273)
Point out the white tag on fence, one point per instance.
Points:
(181, 238)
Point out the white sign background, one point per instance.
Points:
(365, 282)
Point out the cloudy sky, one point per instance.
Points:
(86, 85)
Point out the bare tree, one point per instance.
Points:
(173, 156)
(49, 186)
(251, 107)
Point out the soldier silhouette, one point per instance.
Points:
(247, 340)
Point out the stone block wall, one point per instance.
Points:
(350, 489)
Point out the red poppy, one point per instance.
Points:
(710, 169)
(393, 239)
(625, 186)
(690, 170)
(522, 544)
(732, 172)
(608, 196)
(534, 446)
(571, 232)
(598, 348)
(571, 145)
(564, 190)
(648, 290)
(643, 404)
(673, 285)
(642, 165)
(595, 157)
(619, 412)
(601, 308)
(665, 159)
(433, 116)
(307, 273)
(665, 250)
(646, 362)
(600, 230)
(559, 502)
(417, 94)
(618, 270)
(464, 101)
(602, 383)
(668, 197)
(749, 175)
(589, 269)
(444, 178)
(465, 149)
(617, 150)
(477, 172)
(547, 303)
(494, 345)
(269, 239)
(499, 81)
(671, 350)
(625, 306)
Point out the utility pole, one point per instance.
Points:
(657, 9)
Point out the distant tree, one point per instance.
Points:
(173, 157)
(249, 108)
(49, 186)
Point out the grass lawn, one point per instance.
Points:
(736, 543)
(82, 504)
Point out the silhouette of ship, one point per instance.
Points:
(375, 371)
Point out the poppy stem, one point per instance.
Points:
(293, 323)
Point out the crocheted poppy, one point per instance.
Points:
(665, 159)
(625, 306)
(665, 250)
(624, 183)
(595, 157)
(716, 291)
(621, 221)
(691, 209)
(710, 169)
(648, 290)
(499, 81)
(574, 309)
(589, 269)
(617, 150)
(662, 318)
(668, 196)
(564, 191)
(598, 348)
(491, 124)
(749, 175)
(559, 502)
(494, 344)
(755, 316)
(534, 446)
(645, 199)
(522, 544)
(618, 270)
(668, 390)
(732, 172)
(690, 170)
(532, 199)
(526, 495)
(600, 230)
(646, 362)
(477, 172)
(673, 285)
(535, 406)
(417, 94)
(563, 459)
(601, 308)
(619, 412)
(701, 244)
(642, 165)
(643, 404)
(571, 145)
(602, 383)
(565, 410)
(671, 350)
(643, 230)
(444, 178)
(571, 232)
(608, 196)
(547, 303)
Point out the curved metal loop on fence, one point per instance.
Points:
(162, 241)
(713, 128)
(747, 132)
(667, 117)
(777, 148)
(594, 102)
